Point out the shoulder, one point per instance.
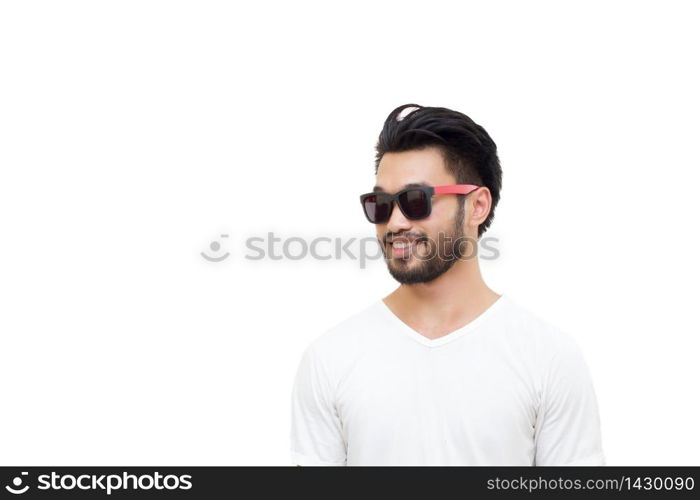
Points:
(530, 330)
(351, 331)
(344, 341)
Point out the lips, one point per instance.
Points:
(402, 246)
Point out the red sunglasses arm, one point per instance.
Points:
(455, 189)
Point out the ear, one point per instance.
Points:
(478, 207)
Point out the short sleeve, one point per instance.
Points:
(567, 430)
(316, 436)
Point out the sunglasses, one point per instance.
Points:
(414, 202)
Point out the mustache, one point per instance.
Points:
(389, 237)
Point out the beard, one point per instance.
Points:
(418, 269)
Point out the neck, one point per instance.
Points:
(459, 292)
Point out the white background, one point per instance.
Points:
(133, 134)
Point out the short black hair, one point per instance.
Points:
(467, 149)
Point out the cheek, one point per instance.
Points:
(440, 233)
(445, 206)
(445, 214)
(441, 220)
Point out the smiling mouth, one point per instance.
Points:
(403, 248)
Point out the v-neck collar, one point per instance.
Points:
(453, 335)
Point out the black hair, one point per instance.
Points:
(467, 149)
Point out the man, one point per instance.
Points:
(442, 371)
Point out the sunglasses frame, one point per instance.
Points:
(429, 191)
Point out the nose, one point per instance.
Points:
(398, 221)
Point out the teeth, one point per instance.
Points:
(401, 244)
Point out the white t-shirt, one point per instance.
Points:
(508, 388)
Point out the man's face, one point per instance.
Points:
(418, 251)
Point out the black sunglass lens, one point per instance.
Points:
(376, 208)
(414, 204)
